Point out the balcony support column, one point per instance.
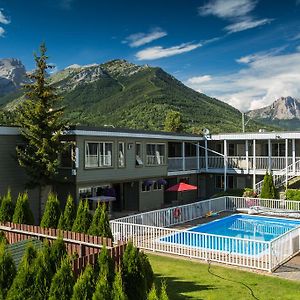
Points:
(206, 156)
(225, 165)
(286, 162)
(198, 156)
(270, 155)
(247, 156)
(183, 156)
(294, 155)
(254, 164)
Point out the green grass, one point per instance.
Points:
(191, 280)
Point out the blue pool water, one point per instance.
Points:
(251, 228)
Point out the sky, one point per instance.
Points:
(243, 52)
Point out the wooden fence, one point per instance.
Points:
(86, 246)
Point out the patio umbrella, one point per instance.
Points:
(181, 187)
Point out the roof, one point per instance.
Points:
(9, 130)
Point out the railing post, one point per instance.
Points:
(254, 164)
(270, 155)
(225, 165)
(294, 156)
(247, 156)
(198, 156)
(206, 156)
(286, 163)
(183, 156)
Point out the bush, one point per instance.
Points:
(248, 192)
(7, 271)
(147, 271)
(7, 208)
(67, 218)
(292, 194)
(106, 265)
(23, 213)
(62, 282)
(152, 294)
(268, 190)
(52, 212)
(58, 252)
(118, 292)
(3, 238)
(103, 289)
(163, 291)
(83, 218)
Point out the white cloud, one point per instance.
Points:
(3, 18)
(227, 9)
(264, 79)
(199, 79)
(160, 52)
(236, 11)
(139, 39)
(296, 37)
(246, 24)
(2, 31)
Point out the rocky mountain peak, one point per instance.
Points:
(12, 75)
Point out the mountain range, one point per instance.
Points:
(123, 94)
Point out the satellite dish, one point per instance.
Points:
(205, 131)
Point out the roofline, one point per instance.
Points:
(9, 130)
(274, 135)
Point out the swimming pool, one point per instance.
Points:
(238, 233)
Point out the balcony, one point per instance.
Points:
(233, 162)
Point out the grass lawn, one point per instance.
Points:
(191, 280)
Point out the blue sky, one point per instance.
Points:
(244, 52)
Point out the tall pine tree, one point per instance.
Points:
(67, 218)
(23, 213)
(7, 208)
(268, 190)
(83, 218)
(118, 292)
(52, 212)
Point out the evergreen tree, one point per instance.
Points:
(58, 252)
(173, 122)
(103, 289)
(43, 272)
(67, 218)
(62, 282)
(147, 271)
(22, 286)
(152, 294)
(132, 274)
(3, 238)
(85, 285)
(106, 265)
(83, 218)
(118, 292)
(7, 208)
(23, 213)
(268, 190)
(163, 291)
(52, 212)
(7, 271)
(42, 125)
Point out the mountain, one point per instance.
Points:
(123, 94)
(12, 75)
(284, 112)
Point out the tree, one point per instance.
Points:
(132, 274)
(173, 122)
(3, 238)
(42, 125)
(52, 212)
(83, 217)
(43, 272)
(106, 265)
(7, 271)
(7, 208)
(67, 218)
(268, 190)
(58, 253)
(103, 289)
(147, 271)
(100, 223)
(85, 285)
(118, 292)
(152, 294)
(23, 213)
(62, 283)
(22, 286)
(163, 291)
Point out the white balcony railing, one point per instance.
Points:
(155, 159)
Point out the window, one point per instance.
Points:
(66, 160)
(138, 154)
(220, 182)
(146, 187)
(231, 151)
(98, 154)
(157, 186)
(155, 154)
(121, 154)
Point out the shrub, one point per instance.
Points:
(83, 218)
(147, 271)
(51, 213)
(62, 282)
(7, 271)
(118, 292)
(292, 194)
(58, 252)
(152, 294)
(23, 213)
(67, 218)
(248, 192)
(163, 291)
(268, 190)
(3, 238)
(7, 208)
(103, 289)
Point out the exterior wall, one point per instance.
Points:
(151, 200)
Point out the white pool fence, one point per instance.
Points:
(151, 231)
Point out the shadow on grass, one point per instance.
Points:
(177, 287)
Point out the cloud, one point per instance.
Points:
(235, 11)
(199, 79)
(3, 19)
(160, 52)
(246, 24)
(264, 79)
(296, 37)
(2, 31)
(139, 39)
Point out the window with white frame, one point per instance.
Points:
(98, 154)
(121, 155)
(157, 186)
(138, 154)
(155, 154)
(146, 187)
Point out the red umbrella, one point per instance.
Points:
(181, 187)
